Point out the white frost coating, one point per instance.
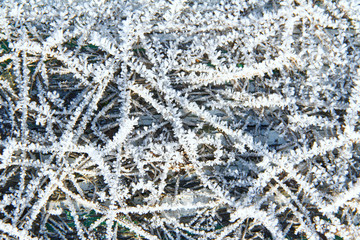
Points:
(179, 119)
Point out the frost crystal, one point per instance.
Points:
(179, 119)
